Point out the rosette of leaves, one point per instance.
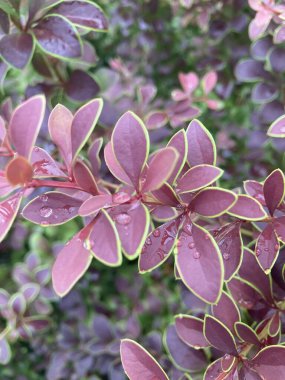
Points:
(240, 350)
(25, 311)
(49, 35)
(264, 69)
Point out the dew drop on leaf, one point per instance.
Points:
(123, 219)
(226, 256)
(191, 245)
(196, 255)
(148, 241)
(156, 233)
(44, 198)
(45, 212)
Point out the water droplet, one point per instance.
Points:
(258, 252)
(196, 255)
(191, 245)
(36, 149)
(87, 244)
(227, 357)
(44, 198)
(123, 218)
(282, 129)
(121, 197)
(156, 233)
(226, 256)
(148, 241)
(161, 253)
(45, 212)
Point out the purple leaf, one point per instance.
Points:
(276, 59)
(8, 211)
(17, 49)
(178, 142)
(279, 35)
(184, 357)
(199, 263)
(52, 208)
(44, 165)
(93, 155)
(226, 311)
(160, 169)
(94, 204)
(255, 190)
(58, 37)
(260, 48)
(5, 351)
(277, 128)
(59, 125)
(213, 202)
(229, 241)
(274, 190)
(104, 240)
(267, 248)
(279, 227)
(83, 14)
(158, 246)
(30, 292)
(156, 119)
(17, 303)
(219, 336)
(246, 296)
(37, 322)
(83, 123)
(214, 370)
(247, 208)
(114, 166)
(81, 86)
(84, 178)
(246, 333)
(250, 70)
(198, 177)
(190, 331)
(31, 112)
(259, 24)
(166, 196)
(138, 363)
(201, 146)
(71, 263)
(251, 272)
(264, 93)
(269, 363)
(130, 142)
(132, 224)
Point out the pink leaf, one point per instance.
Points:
(8, 211)
(247, 208)
(213, 202)
(84, 178)
(96, 203)
(274, 190)
(44, 165)
(198, 177)
(130, 143)
(25, 124)
(160, 169)
(199, 263)
(59, 125)
(83, 123)
(114, 166)
(190, 331)
(201, 146)
(70, 265)
(209, 81)
(138, 363)
(104, 240)
(267, 248)
(51, 208)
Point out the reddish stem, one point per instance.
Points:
(50, 183)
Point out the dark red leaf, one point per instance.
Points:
(190, 330)
(274, 190)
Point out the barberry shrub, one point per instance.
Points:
(151, 205)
